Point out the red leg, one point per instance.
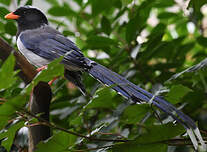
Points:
(51, 81)
(41, 68)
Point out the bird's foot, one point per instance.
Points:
(41, 68)
(51, 81)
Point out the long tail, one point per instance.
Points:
(137, 94)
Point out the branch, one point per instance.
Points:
(28, 72)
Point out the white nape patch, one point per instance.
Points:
(29, 6)
(192, 138)
(198, 135)
(30, 56)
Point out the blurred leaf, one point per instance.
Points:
(152, 45)
(106, 25)
(202, 41)
(161, 3)
(156, 133)
(79, 2)
(99, 6)
(9, 108)
(64, 10)
(196, 4)
(53, 2)
(3, 12)
(10, 28)
(97, 42)
(166, 15)
(132, 29)
(60, 141)
(117, 3)
(2, 28)
(135, 113)
(10, 134)
(6, 2)
(176, 93)
(67, 33)
(29, 2)
(7, 73)
(126, 2)
(134, 147)
(137, 23)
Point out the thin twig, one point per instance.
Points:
(171, 142)
(83, 150)
(71, 132)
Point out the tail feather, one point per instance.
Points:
(137, 94)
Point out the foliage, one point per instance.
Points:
(121, 35)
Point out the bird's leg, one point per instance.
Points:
(51, 81)
(41, 68)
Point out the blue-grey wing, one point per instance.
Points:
(51, 45)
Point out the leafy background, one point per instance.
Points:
(147, 41)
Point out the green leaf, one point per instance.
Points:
(176, 93)
(156, 133)
(54, 69)
(202, 41)
(147, 141)
(138, 21)
(166, 15)
(10, 134)
(132, 29)
(68, 33)
(135, 113)
(7, 73)
(2, 29)
(152, 45)
(64, 10)
(106, 25)
(6, 2)
(100, 6)
(10, 28)
(10, 107)
(4, 11)
(79, 2)
(126, 2)
(102, 99)
(197, 4)
(97, 42)
(29, 2)
(134, 147)
(161, 3)
(59, 142)
(53, 2)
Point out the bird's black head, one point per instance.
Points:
(28, 17)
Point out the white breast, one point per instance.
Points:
(30, 56)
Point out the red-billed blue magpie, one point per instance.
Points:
(41, 44)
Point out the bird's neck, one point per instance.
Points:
(24, 27)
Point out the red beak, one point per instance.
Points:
(11, 16)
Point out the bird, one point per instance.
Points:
(41, 44)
